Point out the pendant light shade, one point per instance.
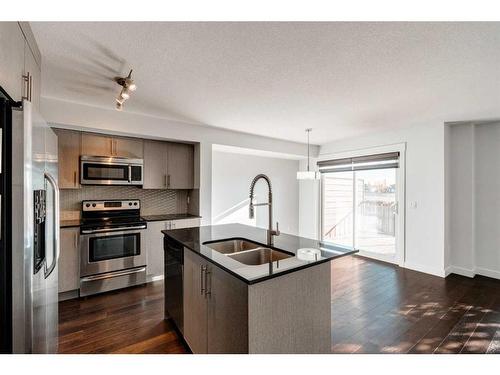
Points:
(308, 175)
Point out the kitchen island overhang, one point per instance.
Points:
(282, 305)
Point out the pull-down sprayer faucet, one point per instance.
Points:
(251, 212)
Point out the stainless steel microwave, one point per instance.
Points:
(101, 170)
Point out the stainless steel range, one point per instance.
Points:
(112, 246)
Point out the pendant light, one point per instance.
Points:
(308, 175)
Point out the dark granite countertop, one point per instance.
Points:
(308, 252)
(169, 217)
(77, 222)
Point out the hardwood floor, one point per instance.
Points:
(126, 321)
(380, 308)
(376, 308)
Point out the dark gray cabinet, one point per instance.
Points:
(215, 308)
(168, 165)
(155, 165)
(180, 166)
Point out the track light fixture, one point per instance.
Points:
(128, 85)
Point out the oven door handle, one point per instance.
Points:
(113, 274)
(92, 231)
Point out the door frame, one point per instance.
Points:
(400, 189)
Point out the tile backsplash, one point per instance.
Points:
(153, 202)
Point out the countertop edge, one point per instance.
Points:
(77, 222)
(263, 278)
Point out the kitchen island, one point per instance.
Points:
(228, 291)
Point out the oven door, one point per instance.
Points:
(111, 251)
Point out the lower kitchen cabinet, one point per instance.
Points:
(154, 243)
(154, 248)
(215, 308)
(69, 266)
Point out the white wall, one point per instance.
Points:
(231, 177)
(425, 185)
(487, 201)
(460, 192)
(474, 187)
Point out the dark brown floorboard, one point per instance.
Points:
(376, 308)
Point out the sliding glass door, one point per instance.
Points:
(359, 199)
(375, 227)
(338, 200)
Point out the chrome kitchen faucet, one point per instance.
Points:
(251, 213)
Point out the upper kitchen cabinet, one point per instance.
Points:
(12, 59)
(20, 62)
(155, 165)
(105, 145)
(180, 166)
(32, 76)
(69, 145)
(168, 165)
(129, 147)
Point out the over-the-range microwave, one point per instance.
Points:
(102, 170)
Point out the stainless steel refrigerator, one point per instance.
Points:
(29, 230)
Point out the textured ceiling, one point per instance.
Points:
(275, 79)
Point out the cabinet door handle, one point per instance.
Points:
(165, 181)
(26, 80)
(74, 178)
(202, 279)
(168, 180)
(30, 86)
(208, 277)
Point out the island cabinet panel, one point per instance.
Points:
(291, 313)
(69, 145)
(155, 165)
(227, 313)
(69, 270)
(215, 308)
(195, 303)
(180, 166)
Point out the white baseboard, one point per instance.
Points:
(473, 272)
(488, 272)
(461, 271)
(425, 269)
(150, 279)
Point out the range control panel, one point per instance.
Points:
(111, 205)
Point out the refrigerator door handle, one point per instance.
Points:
(55, 257)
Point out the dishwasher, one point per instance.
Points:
(174, 271)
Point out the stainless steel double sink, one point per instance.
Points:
(248, 252)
